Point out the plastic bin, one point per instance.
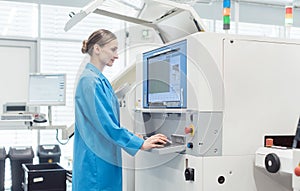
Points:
(19, 156)
(42, 177)
(49, 153)
(2, 167)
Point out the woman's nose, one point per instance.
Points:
(116, 56)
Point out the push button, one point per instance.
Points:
(297, 171)
(190, 145)
(188, 130)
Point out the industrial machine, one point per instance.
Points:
(281, 159)
(238, 89)
(215, 96)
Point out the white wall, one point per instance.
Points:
(17, 61)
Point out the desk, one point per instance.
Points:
(19, 125)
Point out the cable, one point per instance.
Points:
(62, 143)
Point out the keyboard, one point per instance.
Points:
(16, 117)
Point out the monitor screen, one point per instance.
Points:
(165, 76)
(47, 89)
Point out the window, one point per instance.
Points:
(58, 51)
(259, 30)
(61, 51)
(295, 33)
(18, 19)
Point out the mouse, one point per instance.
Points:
(39, 118)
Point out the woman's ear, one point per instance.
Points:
(97, 49)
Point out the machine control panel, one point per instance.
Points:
(191, 132)
(203, 131)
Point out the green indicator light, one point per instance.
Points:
(226, 19)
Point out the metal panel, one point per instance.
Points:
(261, 91)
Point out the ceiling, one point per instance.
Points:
(81, 3)
(71, 3)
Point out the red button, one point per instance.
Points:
(188, 130)
(297, 171)
(269, 142)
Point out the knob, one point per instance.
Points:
(221, 179)
(189, 174)
(190, 145)
(272, 163)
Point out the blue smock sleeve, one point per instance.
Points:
(100, 120)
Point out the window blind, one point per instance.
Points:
(18, 19)
(60, 51)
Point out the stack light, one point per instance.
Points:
(288, 16)
(226, 14)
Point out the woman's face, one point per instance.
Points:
(108, 53)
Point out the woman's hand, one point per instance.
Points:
(155, 141)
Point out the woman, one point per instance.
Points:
(97, 162)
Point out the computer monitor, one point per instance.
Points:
(164, 75)
(47, 89)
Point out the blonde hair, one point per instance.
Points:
(100, 37)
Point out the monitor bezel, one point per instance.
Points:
(182, 46)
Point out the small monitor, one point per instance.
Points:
(47, 89)
(165, 80)
(15, 107)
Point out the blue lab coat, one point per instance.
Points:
(98, 139)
